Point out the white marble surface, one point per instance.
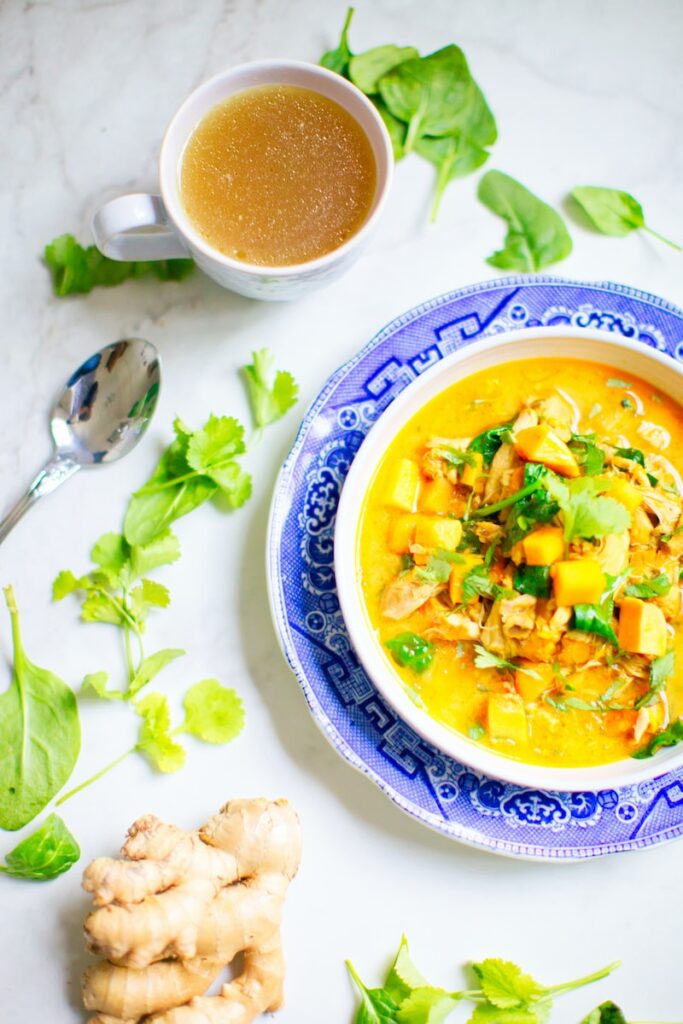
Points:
(583, 93)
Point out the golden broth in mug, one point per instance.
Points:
(277, 175)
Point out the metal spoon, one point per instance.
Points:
(102, 413)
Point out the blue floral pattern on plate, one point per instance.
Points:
(435, 789)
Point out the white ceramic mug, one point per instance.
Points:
(155, 227)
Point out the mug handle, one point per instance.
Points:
(137, 227)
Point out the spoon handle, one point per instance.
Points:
(55, 472)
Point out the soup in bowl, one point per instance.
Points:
(508, 552)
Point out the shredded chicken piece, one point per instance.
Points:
(518, 616)
(641, 528)
(454, 626)
(492, 635)
(558, 412)
(667, 510)
(488, 533)
(657, 436)
(612, 552)
(505, 474)
(527, 417)
(405, 594)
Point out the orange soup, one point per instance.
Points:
(520, 551)
(278, 175)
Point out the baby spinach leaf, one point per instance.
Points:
(595, 618)
(454, 156)
(635, 455)
(412, 651)
(155, 740)
(396, 129)
(537, 235)
(46, 853)
(430, 94)
(403, 976)
(40, 735)
(271, 393)
(532, 579)
(338, 59)
(366, 69)
(614, 212)
(75, 269)
(668, 737)
(213, 713)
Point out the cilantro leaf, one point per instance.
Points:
(75, 269)
(271, 393)
(656, 586)
(426, 1005)
(487, 1013)
(504, 984)
(487, 659)
(164, 549)
(213, 713)
(439, 565)
(585, 513)
(661, 670)
(155, 740)
(151, 666)
(587, 453)
(217, 442)
(477, 583)
(403, 975)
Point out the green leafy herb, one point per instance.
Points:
(506, 995)
(628, 403)
(339, 58)
(584, 512)
(661, 670)
(455, 457)
(533, 579)
(439, 565)
(668, 737)
(366, 69)
(589, 456)
(656, 586)
(477, 583)
(272, 393)
(40, 735)
(534, 507)
(412, 651)
(489, 441)
(213, 713)
(396, 129)
(606, 1013)
(487, 659)
(196, 466)
(475, 732)
(635, 455)
(46, 853)
(597, 618)
(616, 382)
(614, 212)
(537, 235)
(75, 269)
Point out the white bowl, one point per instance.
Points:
(624, 356)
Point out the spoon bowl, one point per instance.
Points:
(101, 414)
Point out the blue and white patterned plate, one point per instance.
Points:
(433, 788)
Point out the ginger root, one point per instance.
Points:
(180, 906)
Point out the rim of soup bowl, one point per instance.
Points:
(625, 356)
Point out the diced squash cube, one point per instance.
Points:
(642, 628)
(436, 495)
(530, 687)
(625, 492)
(544, 545)
(438, 532)
(469, 474)
(458, 571)
(541, 444)
(580, 581)
(506, 717)
(402, 533)
(403, 485)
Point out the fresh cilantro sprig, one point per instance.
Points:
(213, 713)
(271, 392)
(487, 659)
(505, 994)
(656, 586)
(77, 270)
(584, 511)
